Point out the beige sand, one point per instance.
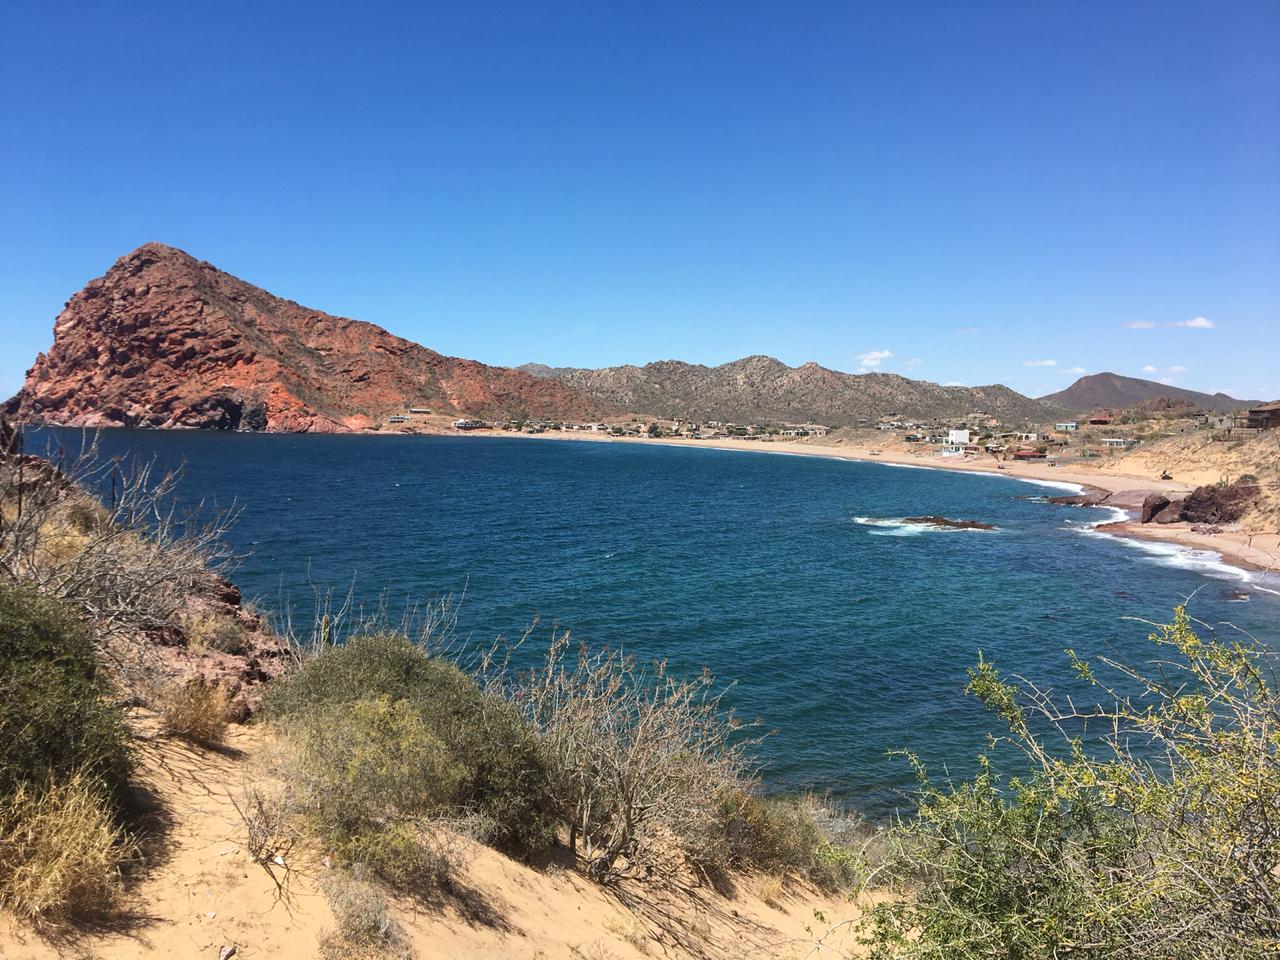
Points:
(201, 893)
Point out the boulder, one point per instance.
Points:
(1221, 503)
(1152, 505)
(1172, 513)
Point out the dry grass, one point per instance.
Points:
(207, 631)
(60, 853)
(195, 711)
(363, 924)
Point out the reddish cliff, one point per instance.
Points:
(166, 340)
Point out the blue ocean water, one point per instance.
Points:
(847, 634)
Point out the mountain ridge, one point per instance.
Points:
(763, 388)
(1099, 391)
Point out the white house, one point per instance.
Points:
(1118, 441)
(1067, 426)
(957, 437)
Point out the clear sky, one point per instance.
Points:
(962, 192)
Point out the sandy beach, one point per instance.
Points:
(1251, 551)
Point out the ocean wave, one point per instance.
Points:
(1176, 555)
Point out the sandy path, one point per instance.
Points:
(200, 893)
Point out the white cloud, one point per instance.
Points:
(911, 364)
(1176, 369)
(872, 359)
(1039, 363)
(1195, 323)
(1149, 369)
(1075, 370)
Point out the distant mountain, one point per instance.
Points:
(166, 340)
(764, 389)
(1111, 391)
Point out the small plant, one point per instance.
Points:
(364, 928)
(196, 711)
(206, 630)
(807, 836)
(61, 851)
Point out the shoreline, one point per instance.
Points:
(1257, 553)
(1254, 552)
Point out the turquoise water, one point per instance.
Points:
(845, 633)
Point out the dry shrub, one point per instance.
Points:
(60, 851)
(206, 630)
(128, 563)
(363, 924)
(644, 761)
(195, 711)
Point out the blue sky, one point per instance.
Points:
(958, 192)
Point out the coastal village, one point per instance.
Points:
(1098, 434)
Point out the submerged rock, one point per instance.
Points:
(949, 524)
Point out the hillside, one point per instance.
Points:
(1112, 391)
(165, 340)
(762, 388)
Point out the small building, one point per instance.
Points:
(1119, 442)
(468, 424)
(1099, 421)
(1028, 455)
(957, 437)
(419, 410)
(398, 418)
(1067, 426)
(1264, 417)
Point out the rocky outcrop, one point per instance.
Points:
(165, 340)
(1210, 505)
(1152, 506)
(949, 524)
(1220, 503)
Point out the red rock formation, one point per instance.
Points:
(165, 340)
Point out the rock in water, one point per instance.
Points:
(947, 523)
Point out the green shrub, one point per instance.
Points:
(1159, 838)
(502, 772)
(807, 836)
(54, 721)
